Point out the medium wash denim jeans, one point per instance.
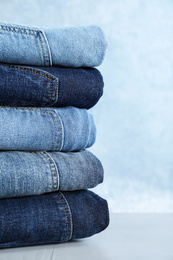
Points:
(51, 218)
(34, 173)
(70, 47)
(49, 86)
(46, 129)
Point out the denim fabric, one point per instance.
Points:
(48, 129)
(49, 86)
(51, 218)
(71, 47)
(33, 173)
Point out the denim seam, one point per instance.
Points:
(62, 131)
(29, 32)
(42, 48)
(48, 112)
(56, 168)
(50, 95)
(67, 214)
(48, 47)
(32, 70)
(42, 154)
(70, 214)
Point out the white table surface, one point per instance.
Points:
(129, 236)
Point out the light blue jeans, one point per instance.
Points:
(46, 129)
(33, 173)
(70, 47)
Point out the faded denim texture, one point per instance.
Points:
(34, 173)
(51, 218)
(71, 47)
(49, 86)
(45, 170)
(46, 129)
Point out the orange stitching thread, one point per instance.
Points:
(50, 95)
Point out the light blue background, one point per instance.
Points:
(135, 116)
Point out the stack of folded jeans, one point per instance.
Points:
(47, 83)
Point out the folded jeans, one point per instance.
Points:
(46, 129)
(49, 86)
(71, 47)
(51, 218)
(34, 173)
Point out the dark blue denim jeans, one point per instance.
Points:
(49, 86)
(34, 173)
(51, 218)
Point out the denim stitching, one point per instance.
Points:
(65, 216)
(20, 31)
(56, 168)
(62, 130)
(32, 71)
(55, 130)
(42, 153)
(70, 215)
(42, 49)
(44, 112)
(48, 47)
(61, 197)
(7, 28)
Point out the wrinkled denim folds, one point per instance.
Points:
(47, 83)
(49, 86)
(51, 218)
(34, 173)
(71, 47)
(46, 129)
